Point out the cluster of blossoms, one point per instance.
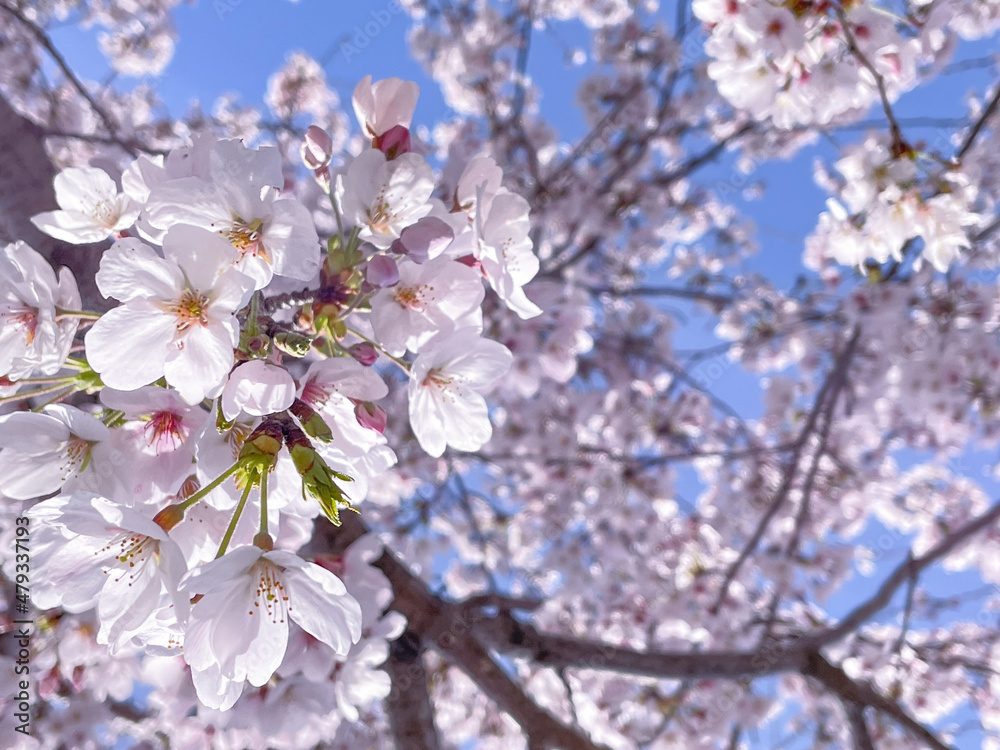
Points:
(887, 207)
(237, 383)
(807, 63)
(793, 62)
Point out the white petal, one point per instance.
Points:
(127, 346)
(201, 364)
(131, 270)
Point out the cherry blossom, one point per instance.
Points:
(383, 197)
(33, 338)
(448, 377)
(703, 491)
(428, 300)
(113, 555)
(90, 207)
(239, 629)
(273, 235)
(385, 104)
(44, 452)
(177, 320)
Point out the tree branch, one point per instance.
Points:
(861, 695)
(907, 570)
(506, 634)
(411, 715)
(859, 729)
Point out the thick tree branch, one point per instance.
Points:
(446, 627)
(836, 680)
(859, 728)
(506, 634)
(411, 715)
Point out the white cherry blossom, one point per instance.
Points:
(429, 299)
(240, 202)
(113, 555)
(177, 319)
(445, 391)
(238, 630)
(41, 453)
(384, 197)
(33, 338)
(90, 207)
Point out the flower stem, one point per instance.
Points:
(55, 399)
(263, 503)
(40, 392)
(55, 379)
(236, 519)
(86, 315)
(210, 486)
(336, 213)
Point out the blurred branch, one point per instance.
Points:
(861, 695)
(909, 569)
(46, 42)
(411, 715)
(825, 400)
(979, 124)
(859, 729)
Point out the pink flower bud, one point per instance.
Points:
(384, 104)
(469, 260)
(317, 148)
(322, 176)
(370, 416)
(424, 240)
(364, 352)
(394, 142)
(382, 272)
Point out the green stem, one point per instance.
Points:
(263, 503)
(39, 392)
(210, 486)
(236, 519)
(358, 296)
(86, 315)
(55, 399)
(336, 213)
(56, 379)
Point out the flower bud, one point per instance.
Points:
(469, 260)
(169, 517)
(293, 343)
(316, 148)
(424, 240)
(370, 416)
(318, 479)
(382, 272)
(313, 424)
(364, 352)
(260, 451)
(394, 142)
